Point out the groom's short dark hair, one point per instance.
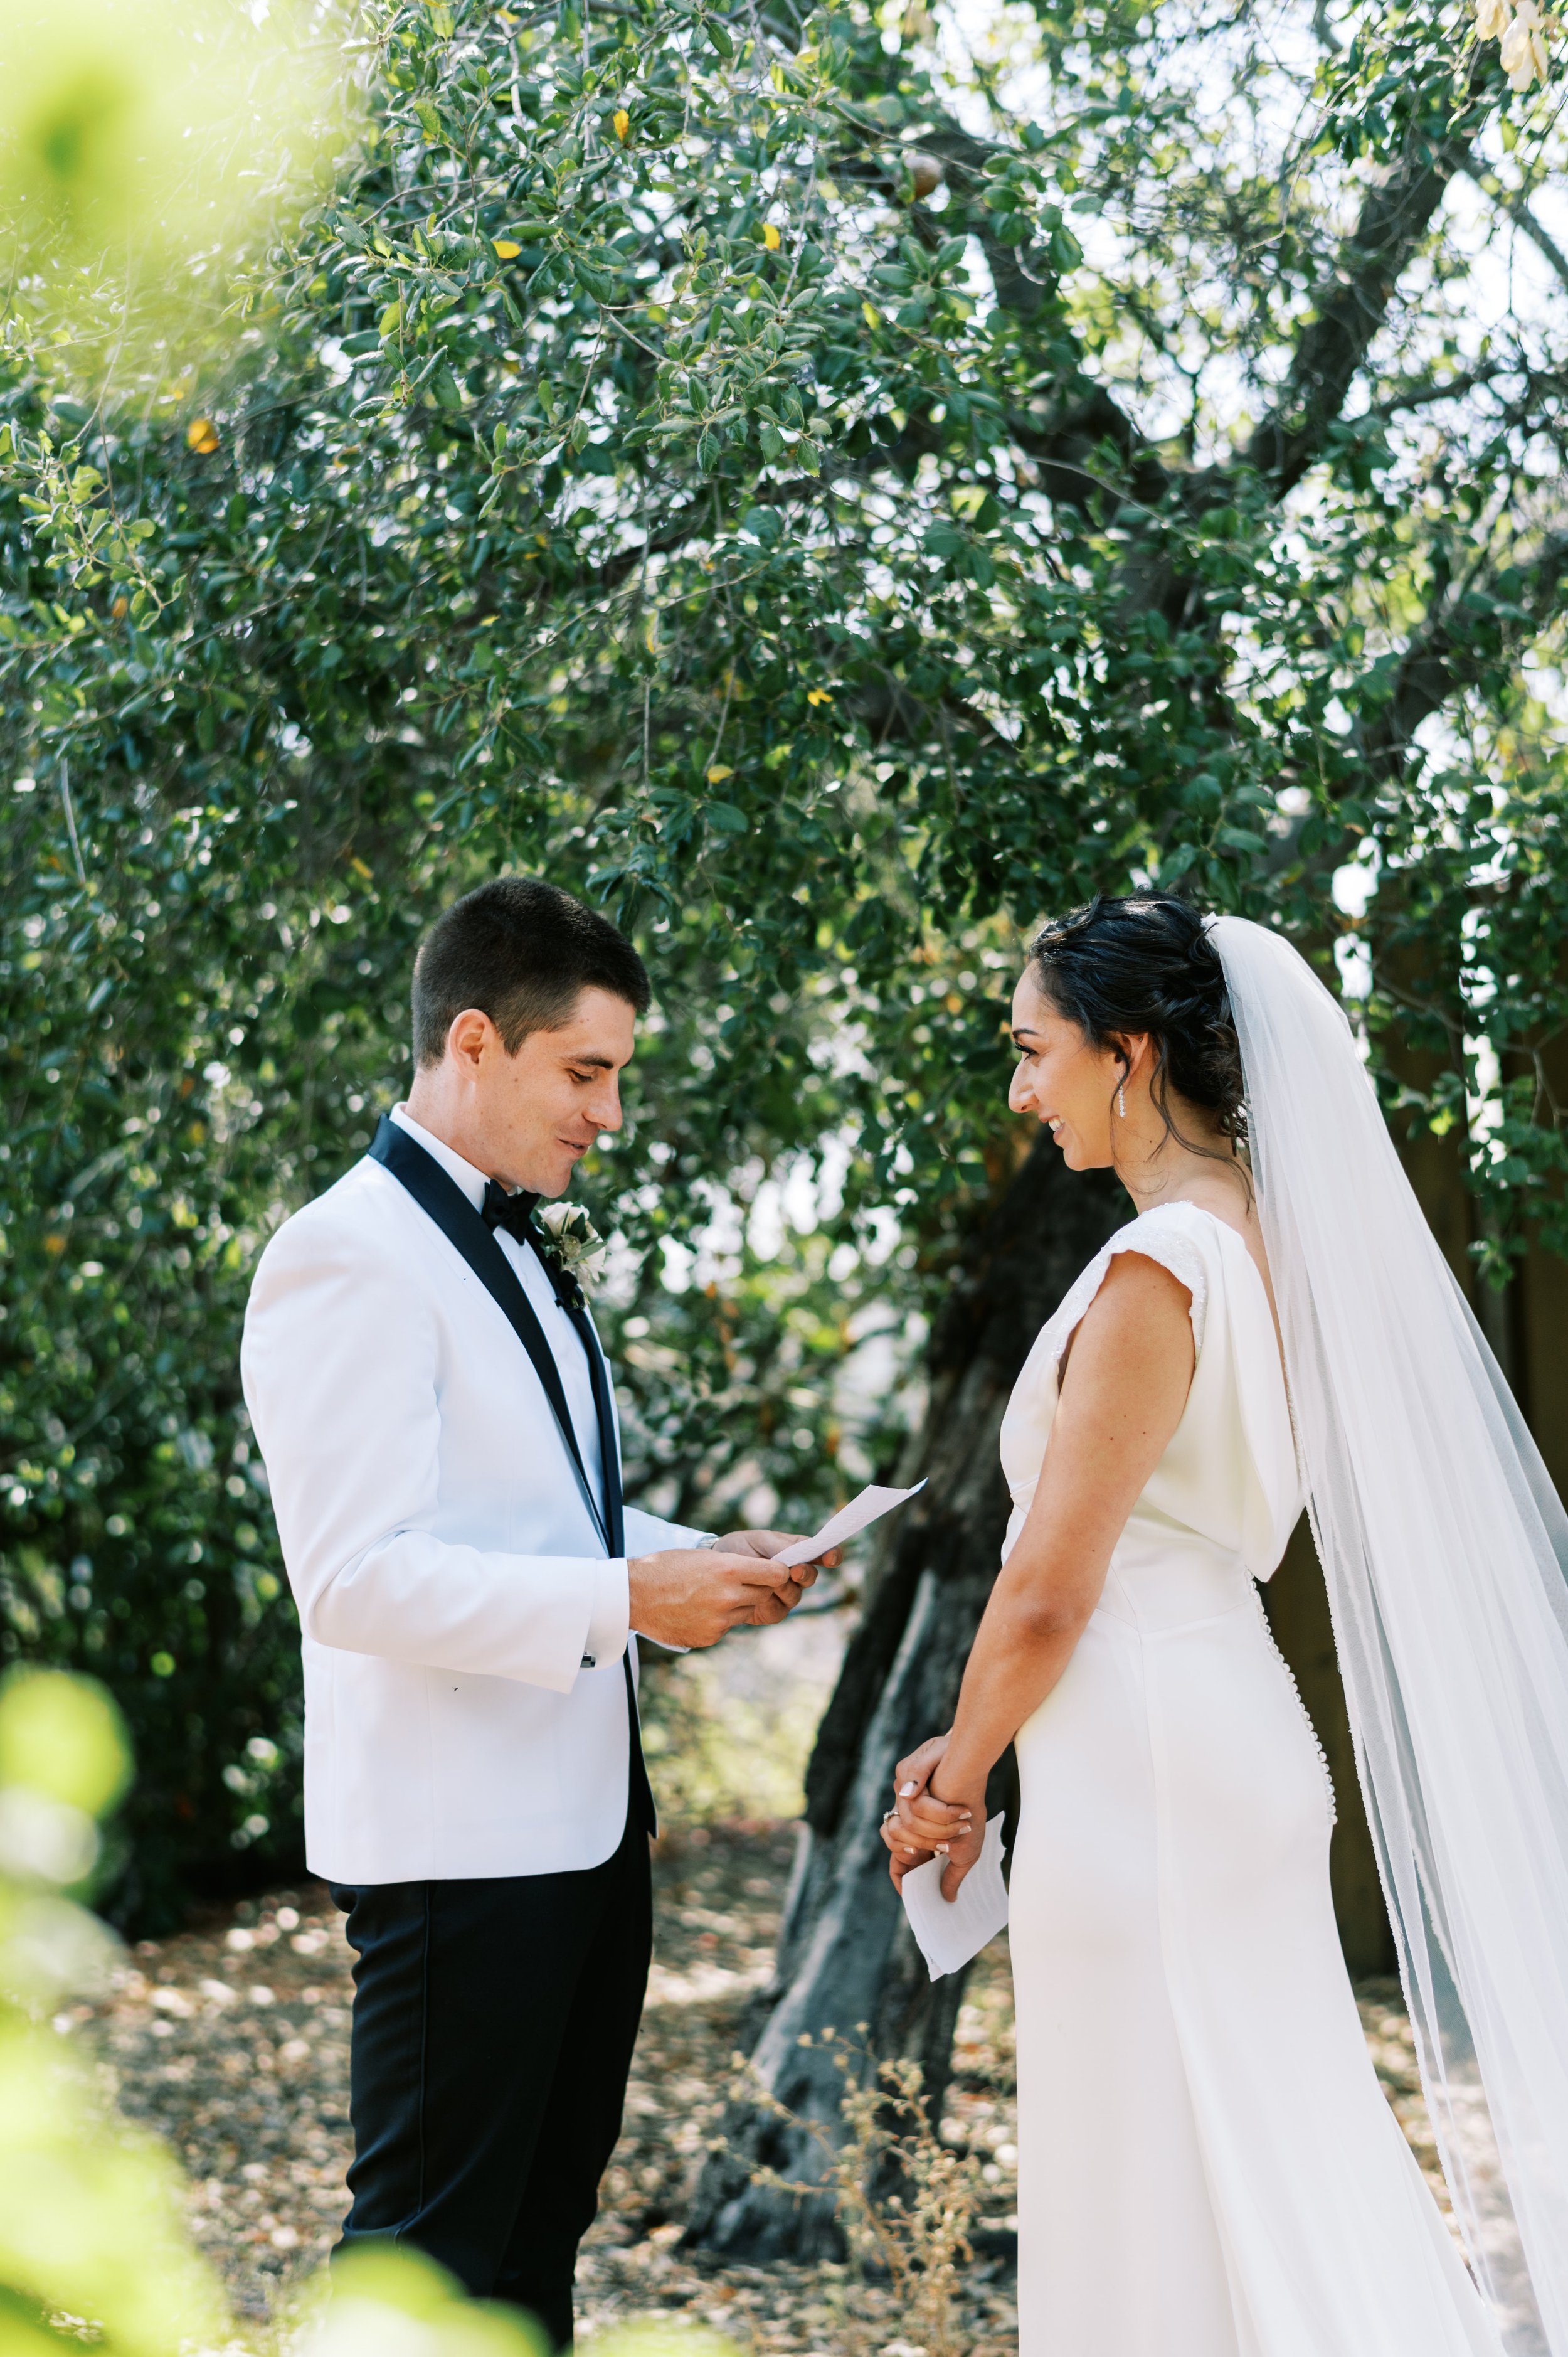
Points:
(520, 951)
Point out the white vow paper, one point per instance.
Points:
(950, 1930)
(867, 1508)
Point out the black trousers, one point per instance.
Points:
(494, 2022)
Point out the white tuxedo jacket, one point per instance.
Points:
(449, 1576)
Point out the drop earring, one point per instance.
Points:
(1121, 1099)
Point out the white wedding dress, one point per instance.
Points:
(1207, 2166)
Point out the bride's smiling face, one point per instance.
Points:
(1061, 1080)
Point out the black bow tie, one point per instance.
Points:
(512, 1212)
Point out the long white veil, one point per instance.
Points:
(1444, 1548)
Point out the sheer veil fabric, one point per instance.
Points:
(1444, 1549)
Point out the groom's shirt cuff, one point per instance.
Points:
(610, 1619)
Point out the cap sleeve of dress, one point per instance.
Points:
(1159, 1236)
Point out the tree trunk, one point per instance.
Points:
(846, 1961)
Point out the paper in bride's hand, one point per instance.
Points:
(860, 1512)
(952, 1931)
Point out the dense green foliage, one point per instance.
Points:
(831, 493)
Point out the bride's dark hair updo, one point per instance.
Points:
(1146, 963)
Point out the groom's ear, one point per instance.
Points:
(470, 1036)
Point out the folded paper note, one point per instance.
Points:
(871, 1503)
(952, 1931)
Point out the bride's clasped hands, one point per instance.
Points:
(919, 1827)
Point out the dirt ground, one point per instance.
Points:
(231, 2041)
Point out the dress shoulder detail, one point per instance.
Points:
(1163, 1234)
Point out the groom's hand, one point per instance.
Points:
(694, 1595)
(771, 1542)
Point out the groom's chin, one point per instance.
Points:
(557, 1177)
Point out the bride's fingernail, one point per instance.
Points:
(904, 1790)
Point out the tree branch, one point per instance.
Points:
(1451, 388)
(1460, 645)
(1518, 211)
(1351, 307)
(1064, 438)
(1353, 304)
(1018, 290)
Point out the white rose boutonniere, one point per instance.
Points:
(576, 1244)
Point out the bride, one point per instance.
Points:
(1206, 2165)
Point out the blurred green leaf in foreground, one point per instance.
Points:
(91, 2223)
(395, 2303)
(144, 150)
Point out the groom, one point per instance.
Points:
(439, 1431)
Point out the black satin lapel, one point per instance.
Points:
(609, 1448)
(443, 1201)
(569, 1294)
(642, 1799)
